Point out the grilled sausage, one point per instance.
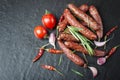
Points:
(62, 24)
(73, 57)
(67, 37)
(95, 14)
(84, 7)
(82, 15)
(83, 23)
(72, 21)
(80, 48)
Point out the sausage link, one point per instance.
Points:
(62, 24)
(84, 7)
(73, 57)
(82, 15)
(95, 14)
(72, 21)
(83, 23)
(80, 48)
(99, 52)
(75, 46)
(67, 37)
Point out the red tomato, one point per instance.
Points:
(49, 20)
(40, 32)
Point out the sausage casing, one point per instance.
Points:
(80, 48)
(84, 7)
(62, 24)
(73, 57)
(67, 37)
(95, 14)
(73, 22)
(82, 15)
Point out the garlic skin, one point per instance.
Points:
(102, 43)
(99, 44)
(94, 71)
(52, 39)
(101, 61)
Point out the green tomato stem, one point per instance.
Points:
(47, 12)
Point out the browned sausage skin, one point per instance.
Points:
(80, 48)
(99, 53)
(82, 15)
(62, 24)
(73, 57)
(84, 7)
(83, 23)
(95, 14)
(73, 22)
(67, 37)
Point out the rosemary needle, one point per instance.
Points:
(85, 42)
(76, 72)
(60, 60)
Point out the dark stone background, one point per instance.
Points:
(18, 44)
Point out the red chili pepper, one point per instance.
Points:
(54, 51)
(112, 51)
(48, 67)
(51, 68)
(111, 30)
(40, 53)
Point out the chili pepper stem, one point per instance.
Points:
(58, 72)
(45, 45)
(105, 38)
(117, 46)
(46, 49)
(106, 57)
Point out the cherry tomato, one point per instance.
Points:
(40, 32)
(49, 20)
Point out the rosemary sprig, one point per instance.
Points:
(60, 60)
(76, 72)
(84, 56)
(84, 41)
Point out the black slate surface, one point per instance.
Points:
(18, 44)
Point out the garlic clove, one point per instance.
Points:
(52, 39)
(101, 61)
(94, 71)
(100, 44)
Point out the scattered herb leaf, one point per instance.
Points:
(84, 41)
(76, 72)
